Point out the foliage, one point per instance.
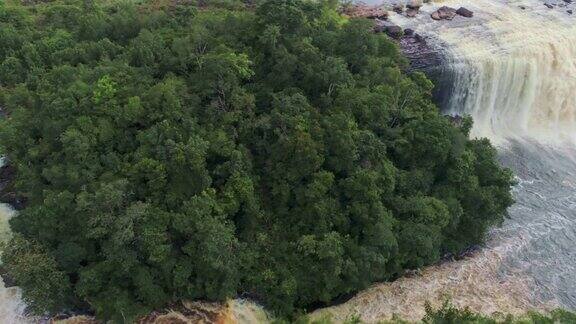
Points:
(173, 152)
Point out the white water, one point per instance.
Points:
(514, 72)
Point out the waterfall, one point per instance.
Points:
(515, 74)
(512, 67)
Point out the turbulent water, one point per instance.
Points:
(512, 67)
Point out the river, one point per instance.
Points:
(512, 67)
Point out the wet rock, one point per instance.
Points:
(364, 11)
(411, 13)
(394, 31)
(398, 8)
(522, 7)
(568, 1)
(549, 5)
(414, 4)
(465, 12)
(456, 120)
(380, 26)
(444, 13)
(389, 28)
(422, 57)
(419, 39)
(569, 12)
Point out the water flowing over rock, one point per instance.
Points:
(512, 69)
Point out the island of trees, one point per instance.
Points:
(274, 150)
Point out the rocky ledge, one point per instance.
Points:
(448, 13)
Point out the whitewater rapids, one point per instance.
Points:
(512, 67)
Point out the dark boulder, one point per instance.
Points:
(569, 12)
(394, 31)
(465, 12)
(414, 4)
(419, 39)
(398, 8)
(549, 5)
(364, 11)
(411, 13)
(408, 32)
(444, 13)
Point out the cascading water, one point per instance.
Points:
(514, 71)
(512, 67)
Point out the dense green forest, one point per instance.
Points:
(273, 150)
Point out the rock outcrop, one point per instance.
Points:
(414, 4)
(411, 13)
(389, 28)
(465, 12)
(365, 11)
(444, 13)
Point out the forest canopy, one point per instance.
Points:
(273, 150)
